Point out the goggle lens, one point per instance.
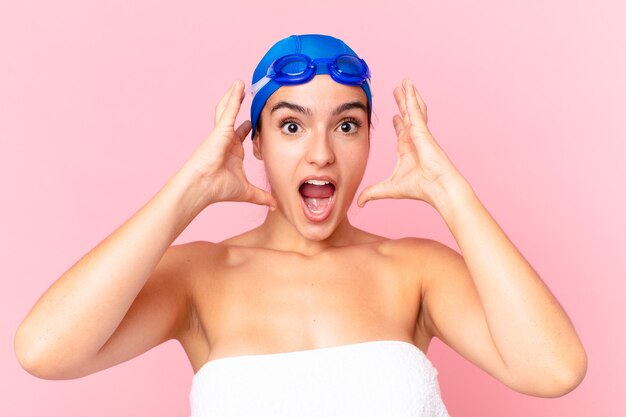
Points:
(349, 65)
(298, 68)
(293, 66)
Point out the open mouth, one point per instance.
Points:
(317, 196)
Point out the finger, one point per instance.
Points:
(219, 108)
(373, 192)
(398, 125)
(398, 94)
(412, 105)
(232, 105)
(243, 130)
(420, 101)
(422, 105)
(404, 140)
(262, 197)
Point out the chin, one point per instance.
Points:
(317, 232)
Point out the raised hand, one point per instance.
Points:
(218, 162)
(423, 170)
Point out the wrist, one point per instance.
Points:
(186, 186)
(452, 195)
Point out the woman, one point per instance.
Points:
(306, 313)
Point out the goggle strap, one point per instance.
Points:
(367, 80)
(254, 88)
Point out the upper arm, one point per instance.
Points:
(160, 312)
(453, 311)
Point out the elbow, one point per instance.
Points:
(32, 366)
(27, 356)
(564, 384)
(33, 359)
(572, 375)
(573, 371)
(559, 381)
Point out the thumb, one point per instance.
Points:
(243, 130)
(373, 192)
(262, 197)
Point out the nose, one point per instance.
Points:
(319, 150)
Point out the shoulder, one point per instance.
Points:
(440, 269)
(190, 266)
(183, 264)
(190, 253)
(438, 264)
(198, 262)
(427, 253)
(429, 261)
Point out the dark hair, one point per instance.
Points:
(369, 120)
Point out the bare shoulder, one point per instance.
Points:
(200, 255)
(418, 251)
(437, 267)
(199, 250)
(181, 263)
(196, 247)
(188, 265)
(436, 262)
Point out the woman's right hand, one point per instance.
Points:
(218, 162)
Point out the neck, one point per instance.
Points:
(278, 233)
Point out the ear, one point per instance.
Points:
(256, 145)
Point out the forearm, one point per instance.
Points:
(529, 328)
(82, 309)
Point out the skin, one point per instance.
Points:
(292, 285)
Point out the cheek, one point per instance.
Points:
(352, 168)
(357, 160)
(279, 169)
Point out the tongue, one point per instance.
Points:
(316, 205)
(316, 191)
(316, 197)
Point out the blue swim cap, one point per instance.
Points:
(313, 45)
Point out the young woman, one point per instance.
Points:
(306, 314)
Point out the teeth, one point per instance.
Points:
(317, 182)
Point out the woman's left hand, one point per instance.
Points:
(423, 171)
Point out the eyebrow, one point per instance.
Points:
(348, 106)
(307, 112)
(295, 107)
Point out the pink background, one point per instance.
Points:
(100, 102)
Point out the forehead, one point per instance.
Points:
(320, 94)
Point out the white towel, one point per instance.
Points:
(388, 378)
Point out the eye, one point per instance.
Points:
(290, 127)
(349, 126)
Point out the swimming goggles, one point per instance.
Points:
(299, 68)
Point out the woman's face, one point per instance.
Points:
(318, 132)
